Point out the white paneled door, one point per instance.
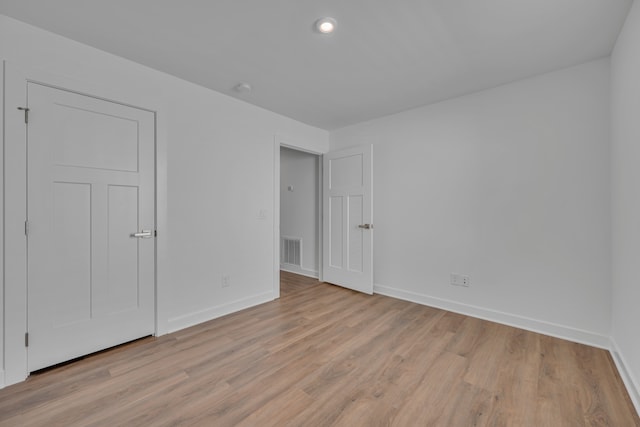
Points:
(90, 191)
(348, 219)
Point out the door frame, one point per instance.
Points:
(15, 81)
(279, 142)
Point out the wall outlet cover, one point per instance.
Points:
(459, 280)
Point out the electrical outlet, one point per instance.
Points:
(226, 281)
(459, 280)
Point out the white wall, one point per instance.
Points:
(219, 173)
(625, 77)
(299, 208)
(509, 186)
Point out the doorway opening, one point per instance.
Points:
(300, 212)
(344, 221)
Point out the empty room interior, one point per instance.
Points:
(331, 213)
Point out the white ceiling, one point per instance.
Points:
(386, 55)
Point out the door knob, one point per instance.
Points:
(144, 234)
(366, 226)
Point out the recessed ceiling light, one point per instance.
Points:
(242, 87)
(326, 25)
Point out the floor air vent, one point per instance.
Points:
(291, 251)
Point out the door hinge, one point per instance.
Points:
(26, 113)
(155, 233)
(26, 228)
(26, 339)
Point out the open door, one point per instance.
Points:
(347, 234)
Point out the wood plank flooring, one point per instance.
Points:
(326, 356)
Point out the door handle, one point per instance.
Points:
(144, 234)
(366, 226)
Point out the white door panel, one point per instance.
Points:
(90, 187)
(335, 227)
(347, 201)
(71, 246)
(122, 217)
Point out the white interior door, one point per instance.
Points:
(90, 188)
(348, 218)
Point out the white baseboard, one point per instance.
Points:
(299, 270)
(192, 319)
(534, 325)
(632, 384)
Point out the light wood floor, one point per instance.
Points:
(323, 356)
